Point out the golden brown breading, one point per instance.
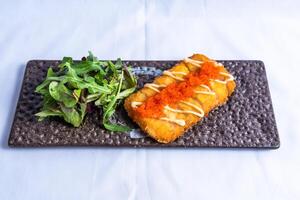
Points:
(183, 114)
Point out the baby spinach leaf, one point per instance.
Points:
(61, 93)
(71, 115)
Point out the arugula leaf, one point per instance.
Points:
(77, 82)
(110, 109)
(51, 76)
(47, 113)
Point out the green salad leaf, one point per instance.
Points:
(67, 92)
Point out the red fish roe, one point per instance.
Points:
(175, 92)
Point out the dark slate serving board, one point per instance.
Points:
(246, 120)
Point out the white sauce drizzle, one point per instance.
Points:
(151, 87)
(205, 92)
(193, 106)
(206, 87)
(154, 86)
(197, 63)
(183, 111)
(216, 63)
(219, 81)
(171, 74)
(135, 104)
(209, 92)
(231, 78)
(182, 73)
(180, 122)
(219, 64)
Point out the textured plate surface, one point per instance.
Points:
(246, 120)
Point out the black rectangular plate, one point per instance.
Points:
(246, 120)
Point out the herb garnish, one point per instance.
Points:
(67, 93)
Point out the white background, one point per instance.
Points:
(265, 30)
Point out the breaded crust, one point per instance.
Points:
(166, 131)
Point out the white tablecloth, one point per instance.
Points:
(265, 30)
